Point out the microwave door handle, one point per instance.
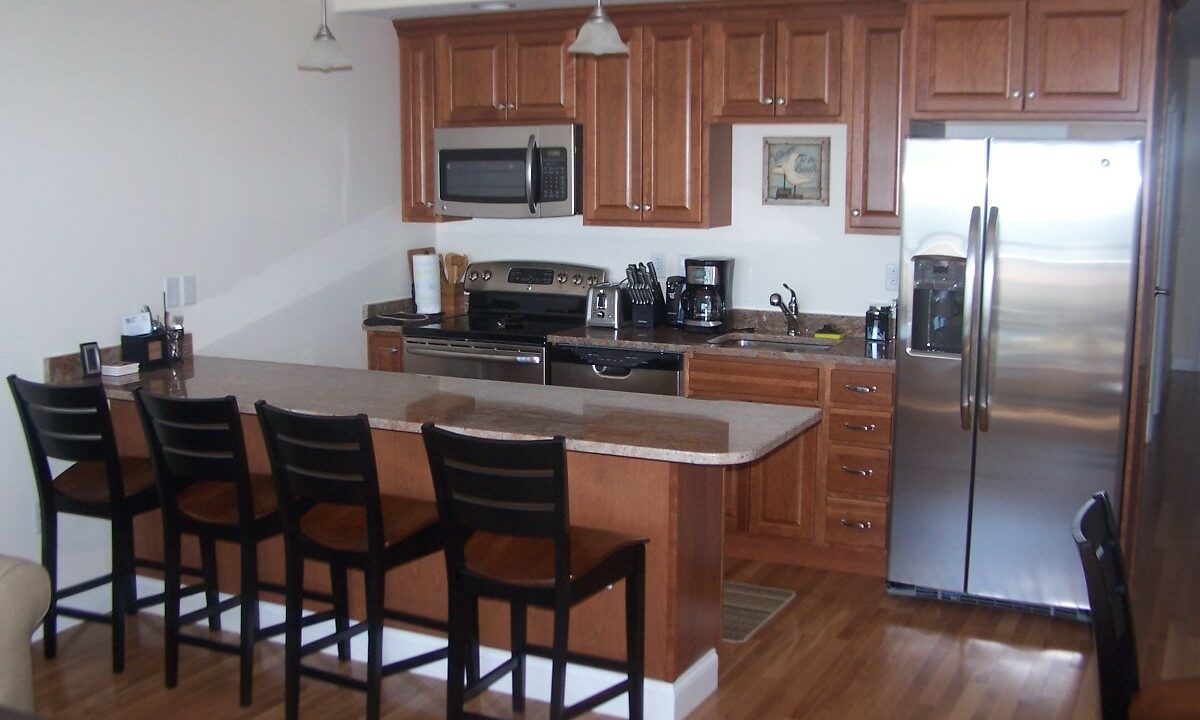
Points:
(530, 154)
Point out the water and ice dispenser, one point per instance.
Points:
(939, 283)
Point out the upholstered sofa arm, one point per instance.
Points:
(24, 597)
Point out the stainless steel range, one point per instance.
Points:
(512, 307)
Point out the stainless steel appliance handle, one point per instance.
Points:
(486, 357)
(986, 349)
(530, 150)
(974, 247)
(611, 373)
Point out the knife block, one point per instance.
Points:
(454, 298)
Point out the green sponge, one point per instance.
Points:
(828, 332)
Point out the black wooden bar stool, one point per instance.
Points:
(328, 488)
(503, 507)
(72, 423)
(206, 489)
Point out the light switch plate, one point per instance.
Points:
(171, 291)
(189, 289)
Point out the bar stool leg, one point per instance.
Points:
(341, 606)
(208, 561)
(458, 642)
(517, 627)
(558, 671)
(295, 585)
(171, 572)
(50, 562)
(120, 592)
(131, 570)
(248, 632)
(635, 632)
(473, 640)
(374, 581)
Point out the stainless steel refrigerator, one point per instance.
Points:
(1018, 271)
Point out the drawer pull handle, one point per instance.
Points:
(856, 524)
(863, 389)
(860, 428)
(856, 471)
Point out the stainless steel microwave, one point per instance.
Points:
(508, 172)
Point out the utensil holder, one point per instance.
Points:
(454, 298)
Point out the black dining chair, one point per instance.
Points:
(72, 423)
(333, 512)
(1122, 696)
(504, 512)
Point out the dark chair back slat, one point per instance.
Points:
(516, 488)
(327, 459)
(1108, 594)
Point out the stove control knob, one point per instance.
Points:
(487, 275)
(562, 278)
(577, 278)
(473, 276)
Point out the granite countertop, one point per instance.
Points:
(702, 432)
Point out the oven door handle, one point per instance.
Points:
(486, 357)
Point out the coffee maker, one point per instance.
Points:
(708, 293)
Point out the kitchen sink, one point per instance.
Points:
(780, 343)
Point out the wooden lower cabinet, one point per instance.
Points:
(820, 500)
(385, 351)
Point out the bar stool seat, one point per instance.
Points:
(343, 527)
(530, 561)
(87, 482)
(215, 502)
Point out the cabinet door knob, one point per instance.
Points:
(1015, 94)
(781, 101)
(768, 101)
(646, 208)
(500, 106)
(393, 350)
(427, 204)
(855, 212)
(509, 106)
(635, 207)
(1031, 94)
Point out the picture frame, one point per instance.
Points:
(795, 171)
(89, 359)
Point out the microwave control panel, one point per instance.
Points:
(554, 174)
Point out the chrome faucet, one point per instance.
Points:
(791, 311)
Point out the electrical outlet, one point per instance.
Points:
(188, 283)
(891, 277)
(660, 265)
(171, 291)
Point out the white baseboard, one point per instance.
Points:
(663, 700)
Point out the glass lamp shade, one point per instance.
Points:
(324, 54)
(598, 36)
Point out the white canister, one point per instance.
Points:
(427, 284)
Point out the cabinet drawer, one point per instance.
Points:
(385, 351)
(858, 470)
(860, 427)
(753, 380)
(855, 523)
(860, 388)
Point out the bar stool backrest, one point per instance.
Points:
(322, 459)
(66, 422)
(196, 439)
(507, 487)
(1108, 594)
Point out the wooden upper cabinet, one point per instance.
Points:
(484, 77)
(876, 125)
(672, 73)
(612, 142)
(969, 56)
(416, 128)
(1035, 56)
(1083, 55)
(765, 68)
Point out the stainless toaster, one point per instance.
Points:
(607, 306)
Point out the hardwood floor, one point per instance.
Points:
(842, 649)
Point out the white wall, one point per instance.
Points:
(1185, 289)
(804, 246)
(141, 139)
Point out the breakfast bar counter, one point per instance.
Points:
(637, 464)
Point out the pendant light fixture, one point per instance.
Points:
(324, 54)
(598, 36)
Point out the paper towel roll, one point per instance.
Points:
(427, 284)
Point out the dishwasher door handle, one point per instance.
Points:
(507, 359)
(610, 372)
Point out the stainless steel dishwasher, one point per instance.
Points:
(641, 371)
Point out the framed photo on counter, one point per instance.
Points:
(89, 359)
(796, 171)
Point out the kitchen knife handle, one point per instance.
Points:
(974, 243)
(987, 331)
(530, 150)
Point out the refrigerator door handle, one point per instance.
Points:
(986, 350)
(974, 243)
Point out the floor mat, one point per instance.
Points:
(746, 608)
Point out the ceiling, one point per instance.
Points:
(439, 8)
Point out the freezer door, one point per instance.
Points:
(1056, 310)
(944, 187)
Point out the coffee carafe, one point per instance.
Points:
(708, 296)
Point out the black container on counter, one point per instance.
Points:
(674, 300)
(879, 323)
(877, 350)
(148, 351)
